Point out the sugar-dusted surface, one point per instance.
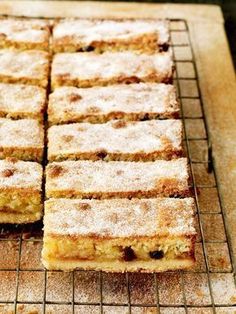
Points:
(59, 287)
(196, 289)
(213, 227)
(114, 178)
(22, 101)
(31, 286)
(21, 138)
(20, 174)
(170, 289)
(80, 33)
(8, 285)
(87, 287)
(202, 177)
(21, 133)
(225, 310)
(62, 309)
(114, 309)
(119, 218)
(218, 257)
(9, 254)
(31, 255)
(91, 30)
(170, 310)
(133, 102)
(119, 140)
(28, 67)
(114, 288)
(85, 69)
(139, 283)
(24, 33)
(22, 309)
(201, 310)
(223, 287)
(209, 200)
(200, 264)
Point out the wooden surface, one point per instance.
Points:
(218, 87)
(111, 9)
(214, 65)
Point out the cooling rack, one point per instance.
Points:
(26, 287)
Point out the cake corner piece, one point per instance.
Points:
(20, 101)
(20, 191)
(23, 139)
(24, 33)
(29, 67)
(110, 235)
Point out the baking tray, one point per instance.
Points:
(26, 287)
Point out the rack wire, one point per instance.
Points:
(208, 288)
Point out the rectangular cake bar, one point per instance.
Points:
(24, 34)
(116, 140)
(23, 139)
(20, 191)
(101, 179)
(86, 69)
(71, 35)
(149, 235)
(100, 104)
(22, 101)
(28, 67)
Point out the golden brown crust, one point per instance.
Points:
(119, 267)
(20, 218)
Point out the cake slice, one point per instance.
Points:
(149, 235)
(23, 139)
(24, 34)
(28, 67)
(22, 101)
(86, 69)
(116, 140)
(73, 35)
(20, 191)
(101, 179)
(141, 101)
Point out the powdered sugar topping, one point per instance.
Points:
(120, 218)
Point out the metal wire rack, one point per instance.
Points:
(25, 286)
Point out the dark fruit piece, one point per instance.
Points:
(164, 47)
(145, 117)
(129, 254)
(7, 173)
(88, 48)
(102, 154)
(156, 254)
